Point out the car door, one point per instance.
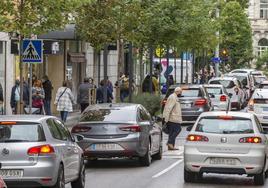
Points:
(71, 153)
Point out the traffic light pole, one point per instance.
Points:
(217, 50)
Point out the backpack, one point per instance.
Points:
(124, 84)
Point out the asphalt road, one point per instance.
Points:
(167, 173)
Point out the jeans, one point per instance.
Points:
(47, 107)
(174, 130)
(123, 95)
(63, 115)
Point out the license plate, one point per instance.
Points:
(265, 117)
(186, 105)
(224, 161)
(105, 147)
(11, 173)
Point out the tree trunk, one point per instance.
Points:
(120, 66)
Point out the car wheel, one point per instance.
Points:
(80, 182)
(147, 158)
(189, 176)
(158, 156)
(259, 179)
(60, 179)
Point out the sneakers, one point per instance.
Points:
(171, 147)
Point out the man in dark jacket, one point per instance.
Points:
(100, 93)
(15, 96)
(47, 86)
(83, 94)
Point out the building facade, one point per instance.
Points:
(258, 15)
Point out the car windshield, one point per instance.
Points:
(21, 132)
(191, 92)
(264, 86)
(242, 79)
(221, 126)
(258, 80)
(214, 90)
(124, 114)
(225, 83)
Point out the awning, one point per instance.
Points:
(76, 57)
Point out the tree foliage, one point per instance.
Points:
(28, 17)
(262, 61)
(236, 34)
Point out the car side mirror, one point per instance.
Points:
(78, 137)
(189, 128)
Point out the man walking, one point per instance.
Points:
(83, 94)
(47, 86)
(172, 116)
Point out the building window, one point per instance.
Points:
(264, 9)
(262, 46)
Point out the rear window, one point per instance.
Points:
(111, 114)
(21, 133)
(214, 90)
(258, 80)
(242, 79)
(221, 126)
(191, 92)
(225, 83)
(264, 86)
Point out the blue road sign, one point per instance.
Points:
(216, 60)
(32, 51)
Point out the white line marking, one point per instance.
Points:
(167, 169)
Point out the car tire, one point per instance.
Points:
(259, 179)
(60, 179)
(80, 182)
(146, 160)
(189, 177)
(158, 156)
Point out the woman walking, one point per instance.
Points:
(64, 101)
(38, 96)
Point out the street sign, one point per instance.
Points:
(160, 52)
(216, 60)
(32, 51)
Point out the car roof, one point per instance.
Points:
(237, 74)
(224, 78)
(112, 105)
(185, 85)
(25, 118)
(230, 113)
(213, 85)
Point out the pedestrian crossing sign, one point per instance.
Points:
(32, 51)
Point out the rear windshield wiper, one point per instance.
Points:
(14, 140)
(234, 132)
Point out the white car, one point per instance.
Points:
(226, 143)
(219, 97)
(258, 104)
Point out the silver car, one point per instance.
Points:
(232, 143)
(39, 151)
(119, 130)
(258, 104)
(219, 97)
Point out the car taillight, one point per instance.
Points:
(223, 98)
(131, 128)
(200, 102)
(225, 117)
(44, 149)
(164, 101)
(197, 138)
(254, 140)
(251, 105)
(80, 129)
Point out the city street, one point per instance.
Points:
(168, 172)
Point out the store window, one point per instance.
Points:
(264, 9)
(262, 46)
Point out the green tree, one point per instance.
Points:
(262, 61)
(236, 34)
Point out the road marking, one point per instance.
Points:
(167, 169)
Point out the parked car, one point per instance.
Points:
(219, 97)
(246, 82)
(263, 85)
(119, 130)
(249, 71)
(258, 80)
(233, 87)
(194, 100)
(257, 73)
(39, 151)
(226, 143)
(258, 104)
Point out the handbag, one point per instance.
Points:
(37, 103)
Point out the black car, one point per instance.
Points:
(194, 100)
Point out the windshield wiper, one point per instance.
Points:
(234, 132)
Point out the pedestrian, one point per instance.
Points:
(172, 117)
(15, 96)
(100, 93)
(83, 94)
(47, 86)
(109, 85)
(64, 101)
(124, 87)
(38, 96)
